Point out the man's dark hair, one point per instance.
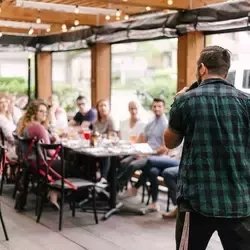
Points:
(216, 59)
(159, 100)
(81, 97)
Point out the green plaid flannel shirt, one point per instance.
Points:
(214, 175)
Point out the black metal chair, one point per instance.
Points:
(27, 171)
(6, 162)
(61, 185)
(2, 158)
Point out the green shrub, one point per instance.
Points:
(17, 85)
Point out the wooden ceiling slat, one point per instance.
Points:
(29, 15)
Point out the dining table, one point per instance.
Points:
(115, 150)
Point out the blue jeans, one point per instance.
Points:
(166, 167)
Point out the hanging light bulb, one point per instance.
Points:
(48, 29)
(148, 8)
(76, 22)
(38, 20)
(126, 17)
(64, 27)
(31, 31)
(77, 9)
(170, 2)
(117, 18)
(118, 13)
(107, 17)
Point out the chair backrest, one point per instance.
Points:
(26, 146)
(58, 151)
(2, 158)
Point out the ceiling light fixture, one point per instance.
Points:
(38, 20)
(118, 13)
(23, 25)
(170, 2)
(76, 9)
(107, 17)
(76, 22)
(126, 17)
(31, 31)
(148, 8)
(64, 8)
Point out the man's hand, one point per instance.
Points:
(162, 150)
(184, 90)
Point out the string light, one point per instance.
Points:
(38, 20)
(76, 22)
(64, 27)
(107, 17)
(126, 17)
(118, 13)
(148, 8)
(77, 9)
(31, 31)
(170, 2)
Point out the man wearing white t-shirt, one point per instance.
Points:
(132, 128)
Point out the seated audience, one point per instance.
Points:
(7, 126)
(86, 116)
(57, 115)
(153, 135)
(132, 128)
(33, 124)
(166, 166)
(104, 125)
(15, 111)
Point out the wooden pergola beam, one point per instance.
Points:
(155, 4)
(11, 13)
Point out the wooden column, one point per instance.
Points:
(43, 75)
(100, 72)
(189, 48)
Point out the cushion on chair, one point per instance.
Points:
(75, 181)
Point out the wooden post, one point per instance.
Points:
(100, 72)
(44, 75)
(189, 48)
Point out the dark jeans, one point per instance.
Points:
(128, 166)
(104, 164)
(168, 169)
(234, 233)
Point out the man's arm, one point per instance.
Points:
(172, 139)
(72, 123)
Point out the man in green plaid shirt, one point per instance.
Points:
(213, 117)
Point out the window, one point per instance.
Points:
(246, 79)
(142, 71)
(231, 77)
(71, 76)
